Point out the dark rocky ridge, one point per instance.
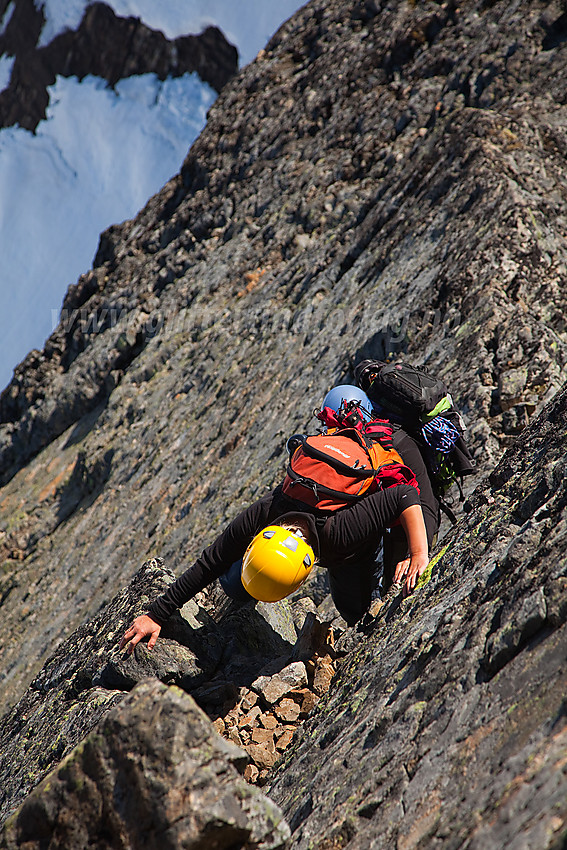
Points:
(104, 45)
(385, 175)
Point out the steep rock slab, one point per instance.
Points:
(385, 176)
(401, 178)
(446, 725)
(104, 45)
(153, 774)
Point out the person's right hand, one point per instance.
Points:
(417, 565)
(142, 627)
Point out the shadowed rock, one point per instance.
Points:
(152, 774)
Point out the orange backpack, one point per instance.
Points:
(333, 470)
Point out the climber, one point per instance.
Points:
(269, 549)
(394, 540)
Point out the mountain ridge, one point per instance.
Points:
(389, 179)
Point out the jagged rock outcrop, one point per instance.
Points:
(153, 774)
(104, 45)
(385, 178)
(447, 725)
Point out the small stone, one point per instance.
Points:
(302, 240)
(284, 739)
(219, 725)
(324, 673)
(268, 721)
(306, 700)
(251, 773)
(262, 736)
(273, 688)
(375, 607)
(315, 636)
(247, 721)
(234, 735)
(232, 718)
(248, 701)
(295, 674)
(288, 711)
(261, 755)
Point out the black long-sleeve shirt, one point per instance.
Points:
(350, 532)
(412, 457)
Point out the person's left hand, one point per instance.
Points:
(142, 627)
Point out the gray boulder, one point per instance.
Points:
(153, 774)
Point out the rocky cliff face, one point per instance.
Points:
(186, 775)
(385, 177)
(104, 45)
(447, 724)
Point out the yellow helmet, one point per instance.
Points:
(276, 563)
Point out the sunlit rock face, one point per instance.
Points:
(383, 179)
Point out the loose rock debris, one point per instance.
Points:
(263, 718)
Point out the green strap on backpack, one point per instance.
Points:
(421, 403)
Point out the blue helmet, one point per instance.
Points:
(343, 403)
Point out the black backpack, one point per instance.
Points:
(401, 389)
(421, 403)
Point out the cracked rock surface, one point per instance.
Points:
(385, 178)
(153, 773)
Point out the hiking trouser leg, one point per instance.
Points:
(395, 550)
(351, 589)
(231, 583)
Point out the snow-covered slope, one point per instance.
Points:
(98, 157)
(96, 160)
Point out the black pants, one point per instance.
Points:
(231, 583)
(351, 588)
(395, 550)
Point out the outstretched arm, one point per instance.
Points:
(213, 562)
(411, 569)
